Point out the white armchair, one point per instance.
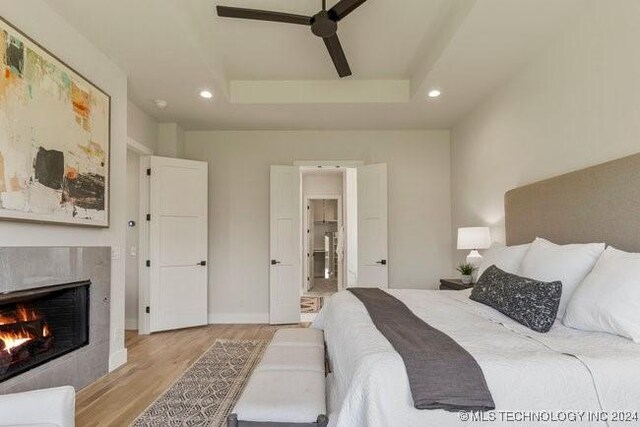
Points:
(53, 407)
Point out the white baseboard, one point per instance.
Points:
(131, 324)
(117, 359)
(238, 318)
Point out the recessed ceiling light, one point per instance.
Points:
(434, 93)
(206, 94)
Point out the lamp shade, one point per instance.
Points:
(474, 238)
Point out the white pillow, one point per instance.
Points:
(608, 300)
(570, 264)
(506, 258)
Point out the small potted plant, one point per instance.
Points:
(466, 269)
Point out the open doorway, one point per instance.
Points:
(359, 245)
(132, 239)
(136, 152)
(324, 243)
(325, 234)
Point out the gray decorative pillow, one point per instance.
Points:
(530, 302)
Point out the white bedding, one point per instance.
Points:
(526, 371)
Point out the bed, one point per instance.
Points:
(565, 376)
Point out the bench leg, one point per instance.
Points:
(232, 420)
(323, 420)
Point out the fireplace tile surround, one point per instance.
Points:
(23, 268)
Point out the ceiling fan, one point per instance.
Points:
(323, 24)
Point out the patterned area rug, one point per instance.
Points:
(311, 304)
(205, 393)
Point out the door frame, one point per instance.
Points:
(143, 234)
(333, 164)
(328, 164)
(144, 278)
(305, 236)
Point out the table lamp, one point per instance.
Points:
(474, 238)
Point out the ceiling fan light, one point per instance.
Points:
(206, 94)
(434, 93)
(160, 104)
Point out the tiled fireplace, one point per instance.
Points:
(54, 316)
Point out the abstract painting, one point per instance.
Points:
(54, 138)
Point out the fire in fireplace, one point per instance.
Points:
(23, 332)
(41, 324)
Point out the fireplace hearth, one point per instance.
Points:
(42, 324)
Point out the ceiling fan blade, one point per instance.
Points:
(337, 55)
(262, 15)
(343, 8)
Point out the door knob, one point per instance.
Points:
(382, 262)
(274, 262)
(202, 263)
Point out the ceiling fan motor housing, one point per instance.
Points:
(322, 25)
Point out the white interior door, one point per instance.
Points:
(373, 261)
(178, 243)
(285, 248)
(351, 226)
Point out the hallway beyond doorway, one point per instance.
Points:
(322, 287)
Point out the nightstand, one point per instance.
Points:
(453, 285)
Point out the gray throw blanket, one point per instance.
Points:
(442, 374)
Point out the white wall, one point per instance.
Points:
(141, 127)
(419, 205)
(40, 22)
(170, 140)
(319, 183)
(576, 105)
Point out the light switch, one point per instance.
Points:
(134, 251)
(115, 252)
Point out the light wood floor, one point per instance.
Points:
(154, 362)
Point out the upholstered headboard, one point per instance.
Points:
(597, 204)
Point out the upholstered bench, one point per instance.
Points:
(287, 388)
(53, 407)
